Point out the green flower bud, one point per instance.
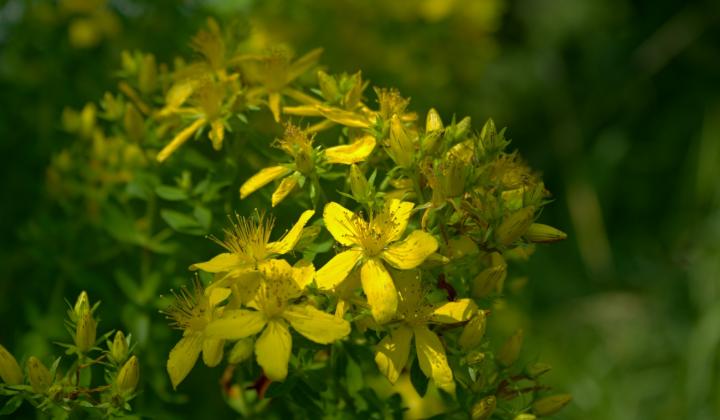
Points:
(241, 351)
(119, 348)
(489, 280)
(473, 331)
(127, 378)
(402, 149)
(474, 358)
(483, 409)
(147, 78)
(525, 416)
(328, 86)
(133, 123)
(433, 122)
(537, 369)
(537, 232)
(510, 351)
(550, 405)
(10, 371)
(85, 332)
(39, 375)
(82, 304)
(514, 226)
(358, 184)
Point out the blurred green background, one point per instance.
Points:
(616, 102)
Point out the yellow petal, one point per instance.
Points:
(302, 110)
(303, 64)
(286, 186)
(396, 216)
(212, 351)
(303, 273)
(219, 263)
(433, 362)
(274, 105)
(272, 350)
(410, 252)
(392, 353)
(316, 325)
(379, 290)
(337, 269)
(217, 295)
(236, 324)
(262, 178)
(453, 312)
(180, 139)
(355, 152)
(341, 223)
(182, 358)
(343, 117)
(217, 134)
(291, 238)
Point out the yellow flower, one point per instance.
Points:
(273, 311)
(392, 352)
(192, 312)
(373, 244)
(297, 144)
(249, 245)
(211, 102)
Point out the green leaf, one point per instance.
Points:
(181, 222)
(12, 405)
(203, 216)
(170, 193)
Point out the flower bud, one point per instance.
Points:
(133, 123)
(328, 86)
(127, 379)
(461, 247)
(514, 225)
(454, 173)
(85, 332)
(241, 351)
(538, 232)
(39, 375)
(474, 358)
(510, 351)
(82, 304)
(473, 332)
(550, 405)
(10, 371)
(489, 280)
(358, 184)
(433, 122)
(483, 409)
(119, 348)
(537, 369)
(402, 149)
(525, 416)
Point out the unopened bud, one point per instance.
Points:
(133, 123)
(475, 358)
(473, 332)
(241, 351)
(358, 184)
(85, 332)
(401, 146)
(550, 405)
(514, 226)
(454, 173)
(147, 78)
(537, 369)
(10, 371)
(433, 122)
(82, 304)
(538, 232)
(39, 375)
(525, 416)
(483, 409)
(127, 378)
(119, 348)
(461, 246)
(328, 86)
(489, 280)
(510, 351)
